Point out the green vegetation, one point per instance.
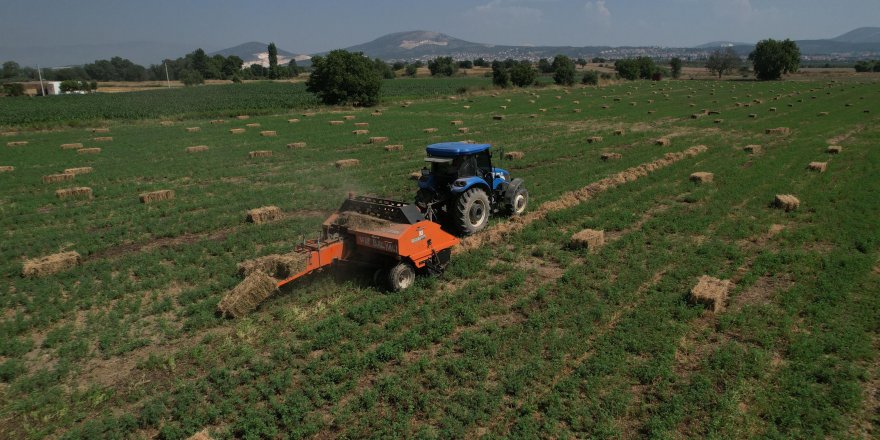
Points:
(563, 70)
(345, 78)
(525, 338)
(635, 68)
(675, 67)
(723, 61)
(442, 66)
(772, 58)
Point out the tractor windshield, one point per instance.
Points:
(453, 168)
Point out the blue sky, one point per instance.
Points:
(312, 26)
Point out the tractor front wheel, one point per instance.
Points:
(472, 211)
(401, 277)
(519, 202)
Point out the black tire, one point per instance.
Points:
(471, 211)
(401, 277)
(520, 202)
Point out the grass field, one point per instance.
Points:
(522, 337)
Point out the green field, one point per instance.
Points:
(522, 337)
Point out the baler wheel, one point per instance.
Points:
(401, 277)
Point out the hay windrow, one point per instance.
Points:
(499, 232)
(247, 295)
(155, 196)
(264, 214)
(71, 146)
(260, 153)
(197, 149)
(50, 264)
(78, 170)
(75, 192)
(711, 292)
(53, 178)
(347, 163)
(94, 150)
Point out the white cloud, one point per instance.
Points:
(508, 10)
(598, 11)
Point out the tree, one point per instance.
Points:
(723, 61)
(500, 75)
(772, 58)
(13, 89)
(344, 77)
(635, 68)
(544, 66)
(273, 61)
(591, 78)
(865, 66)
(11, 69)
(480, 62)
(384, 69)
(522, 74)
(231, 66)
(581, 62)
(191, 77)
(442, 66)
(675, 65)
(563, 70)
(411, 70)
(201, 62)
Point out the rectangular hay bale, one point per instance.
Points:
(260, 153)
(100, 130)
(514, 155)
(155, 196)
(378, 139)
(247, 295)
(611, 156)
(663, 142)
(395, 147)
(702, 177)
(296, 145)
(50, 264)
(71, 146)
(197, 149)
(360, 132)
(263, 214)
(6, 168)
(346, 163)
(778, 131)
(594, 139)
(268, 133)
(787, 202)
(237, 130)
(88, 151)
(253, 125)
(78, 170)
(430, 130)
(818, 166)
(753, 149)
(361, 124)
(590, 239)
(336, 122)
(52, 178)
(834, 149)
(193, 129)
(75, 192)
(103, 139)
(711, 292)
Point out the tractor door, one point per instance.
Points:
(484, 164)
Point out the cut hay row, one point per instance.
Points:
(711, 292)
(611, 156)
(237, 130)
(268, 133)
(6, 168)
(393, 147)
(156, 196)
(514, 155)
(193, 129)
(296, 145)
(702, 177)
(50, 264)
(264, 214)
(499, 233)
(818, 166)
(197, 149)
(53, 178)
(260, 153)
(71, 146)
(346, 163)
(787, 202)
(16, 143)
(75, 192)
(78, 170)
(94, 150)
(247, 295)
(589, 239)
(103, 139)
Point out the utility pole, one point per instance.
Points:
(167, 79)
(40, 75)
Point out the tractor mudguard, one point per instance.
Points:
(469, 182)
(511, 189)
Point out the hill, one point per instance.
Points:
(860, 35)
(255, 52)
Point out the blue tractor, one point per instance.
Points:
(461, 188)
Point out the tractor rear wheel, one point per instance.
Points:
(471, 211)
(401, 277)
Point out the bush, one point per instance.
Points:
(191, 77)
(500, 75)
(411, 70)
(635, 68)
(772, 58)
(675, 65)
(522, 74)
(442, 66)
(591, 78)
(563, 70)
(343, 77)
(13, 89)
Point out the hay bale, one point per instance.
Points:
(75, 192)
(787, 202)
(9, 133)
(50, 264)
(103, 139)
(834, 149)
(594, 139)
(823, 114)
(702, 177)
(361, 124)
(697, 115)
(378, 139)
(778, 131)
(296, 145)
(359, 132)
(197, 149)
(753, 149)
(237, 130)
(376, 113)
(466, 107)
(347, 163)
(818, 166)
(718, 121)
(71, 146)
(514, 155)
(88, 151)
(253, 125)
(395, 147)
(619, 132)
(711, 292)
(463, 130)
(193, 129)
(663, 142)
(589, 239)
(772, 109)
(268, 133)
(78, 170)
(456, 122)
(100, 130)
(430, 130)
(156, 196)
(577, 110)
(264, 214)
(52, 178)
(218, 121)
(242, 117)
(348, 117)
(498, 117)
(293, 121)
(651, 112)
(201, 435)
(247, 295)
(606, 106)
(713, 112)
(6, 168)
(611, 156)
(753, 115)
(260, 153)
(16, 143)
(337, 122)
(308, 114)
(415, 175)
(275, 265)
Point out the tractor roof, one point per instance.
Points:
(455, 149)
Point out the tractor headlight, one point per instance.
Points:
(459, 183)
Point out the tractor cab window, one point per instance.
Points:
(463, 166)
(484, 161)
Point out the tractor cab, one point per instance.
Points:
(461, 184)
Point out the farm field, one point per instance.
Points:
(524, 336)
